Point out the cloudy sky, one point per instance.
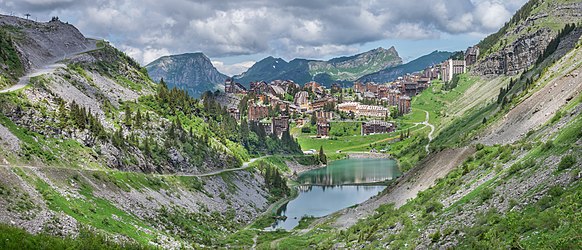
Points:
(235, 34)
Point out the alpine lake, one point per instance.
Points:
(339, 185)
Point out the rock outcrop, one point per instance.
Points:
(525, 39)
(517, 56)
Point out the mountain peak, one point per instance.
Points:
(193, 72)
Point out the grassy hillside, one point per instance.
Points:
(353, 67)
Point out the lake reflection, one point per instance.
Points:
(319, 201)
(335, 187)
(352, 171)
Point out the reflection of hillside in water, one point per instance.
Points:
(317, 201)
(352, 171)
(309, 188)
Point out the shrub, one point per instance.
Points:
(566, 162)
(556, 117)
(548, 145)
(434, 237)
(486, 194)
(434, 206)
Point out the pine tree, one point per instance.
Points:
(127, 115)
(138, 118)
(146, 147)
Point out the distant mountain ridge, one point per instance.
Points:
(351, 68)
(192, 72)
(391, 73)
(348, 68)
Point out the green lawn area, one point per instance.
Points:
(439, 102)
(345, 128)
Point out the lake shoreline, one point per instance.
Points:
(364, 155)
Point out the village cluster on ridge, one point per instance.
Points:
(274, 105)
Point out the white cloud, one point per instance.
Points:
(145, 55)
(306, 28)
(316, 52)
(232, 69)
(491, 15)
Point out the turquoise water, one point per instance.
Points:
(335, 187)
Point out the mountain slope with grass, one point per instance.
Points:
(96, 153)
(391, 73)
(24, 48)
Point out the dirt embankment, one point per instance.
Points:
(242, 192)
(409, 185)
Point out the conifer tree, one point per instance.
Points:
(127, 115)
(138, 118)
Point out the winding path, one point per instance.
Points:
(425, 123)
(243, 167)
(432, 128)
(46, 69)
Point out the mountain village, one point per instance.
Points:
(275, 105)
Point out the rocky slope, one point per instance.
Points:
(391, 73)
(342, 69)
(96, 144)
(504, 168)
(192, 72)
(522, 40)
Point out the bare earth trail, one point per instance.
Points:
(46, 69)
(243, 167)
(432, 128)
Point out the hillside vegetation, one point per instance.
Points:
(96, 149)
